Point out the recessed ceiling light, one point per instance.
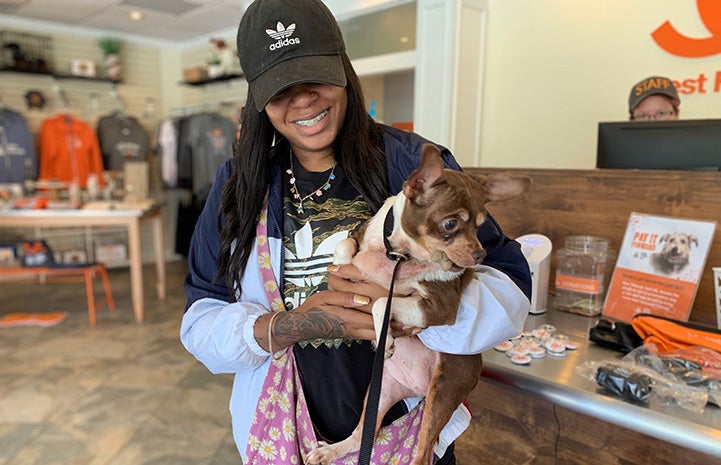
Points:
(135, 15)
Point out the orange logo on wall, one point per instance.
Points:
(669, 39)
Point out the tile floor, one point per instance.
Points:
(120, 393)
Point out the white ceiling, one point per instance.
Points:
(171, 21)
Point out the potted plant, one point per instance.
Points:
(221, 58)
(214, 69)
(111, 57)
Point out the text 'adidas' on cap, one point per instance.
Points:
(286, 42)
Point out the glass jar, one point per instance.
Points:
(581, 275)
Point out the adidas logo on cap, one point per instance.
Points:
(283, 35)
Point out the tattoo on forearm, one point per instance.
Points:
(313, 324)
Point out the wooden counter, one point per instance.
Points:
(598, 202)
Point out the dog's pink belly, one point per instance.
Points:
(409, 370)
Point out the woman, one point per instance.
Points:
(310, 166)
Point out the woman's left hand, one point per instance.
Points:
(349, 278)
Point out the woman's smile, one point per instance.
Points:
(313, 121)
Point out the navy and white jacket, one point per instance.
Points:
(217, 328)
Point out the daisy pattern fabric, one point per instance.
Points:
(282, 432)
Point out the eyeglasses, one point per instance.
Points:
(659, 115)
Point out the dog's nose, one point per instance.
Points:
(479, 255)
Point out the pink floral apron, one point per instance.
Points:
(282, 432)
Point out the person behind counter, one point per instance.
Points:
(653, 99)
(310, 166)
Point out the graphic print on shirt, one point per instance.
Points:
(217, 139)
(309, 245)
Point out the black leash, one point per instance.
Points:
(374, 389)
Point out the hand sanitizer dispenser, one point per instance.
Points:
(537, 250)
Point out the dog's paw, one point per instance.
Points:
(344, 251)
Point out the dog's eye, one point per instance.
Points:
(450, 225)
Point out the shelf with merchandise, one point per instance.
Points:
(222, 78)
(58, 75)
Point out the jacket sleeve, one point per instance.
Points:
(220, 335)
(493, 308)
(215, 328)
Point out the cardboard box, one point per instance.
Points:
(74, 257)
(136, 180)
(196, 73)
(108, 253)
(82, 68)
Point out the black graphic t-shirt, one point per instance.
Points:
(335, 372)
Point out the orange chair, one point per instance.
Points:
(39, 266)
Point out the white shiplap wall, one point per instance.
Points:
(89, 100)
(142, 81)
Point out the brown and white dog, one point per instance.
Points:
(435, 222)
(674, 255)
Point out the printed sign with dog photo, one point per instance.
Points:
(659, 267)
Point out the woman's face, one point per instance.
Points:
(309, 115)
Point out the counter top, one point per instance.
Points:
(555, 380)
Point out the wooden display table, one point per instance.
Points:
(121, 216)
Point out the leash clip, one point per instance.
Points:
(396, 256)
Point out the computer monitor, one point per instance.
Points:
(660, 145)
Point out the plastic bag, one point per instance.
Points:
(642, 376)
(698, 367)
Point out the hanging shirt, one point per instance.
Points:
(17, 154)
(122, 139)
(167, 148)
(69, 151)
(208, 143)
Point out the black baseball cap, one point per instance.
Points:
(653, 85)
(286, 42)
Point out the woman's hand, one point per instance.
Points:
(350, 279)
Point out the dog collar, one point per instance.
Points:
(387, 231)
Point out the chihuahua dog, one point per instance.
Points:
(674, 255)
(435, 220)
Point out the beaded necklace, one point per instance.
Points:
(317, 192)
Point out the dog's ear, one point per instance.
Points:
(664, 238)
(693, 239)
(501, 186)
(430, 170)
